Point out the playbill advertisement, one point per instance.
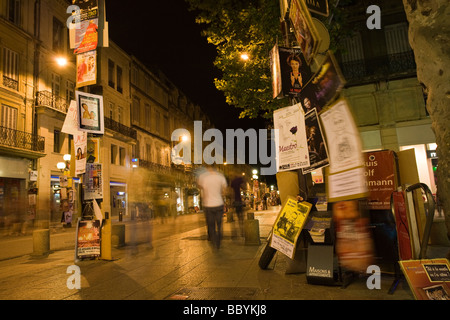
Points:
(290, 138)
(342, 136)
(90, 112)
(93, 181)
(88, 239)
(428, 279)
(288, 226)
(86, 68)
(317, 149)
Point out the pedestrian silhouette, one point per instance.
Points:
(213, 184)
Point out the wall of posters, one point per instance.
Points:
(304, 29)
(90, 112)
(290, 138)
(288, 225)
(86, 68)
(317, 148)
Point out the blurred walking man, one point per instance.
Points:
(213, 185)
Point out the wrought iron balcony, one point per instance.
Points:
(10, 83)
(380, 68)
(49, 100)
(120, 128)
(22, 140)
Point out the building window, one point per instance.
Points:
(122, 156)
(14, 11)
(397, 38)
(119, 79)
(9, 117)
(136, 110)
(58, 36)
(134, 76)
(57, 140)
(166, 127)
(10, 69)
(158, 119)
(148, 152)
(111, 80)
(119, 114)
(113, 154)
(70, 91)
(148, 116)
(56, 84)
(111, 111)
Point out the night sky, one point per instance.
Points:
(164, 34)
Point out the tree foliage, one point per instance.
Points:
(253, 27)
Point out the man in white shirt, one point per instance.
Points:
(213, 185)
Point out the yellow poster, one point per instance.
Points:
(288, 225)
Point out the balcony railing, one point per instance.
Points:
(385, 67)
(10, 83)
(49, 100)
(22, 140)
(120, 128)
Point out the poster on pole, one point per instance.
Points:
(80, 144)
(86, 68)
(93, 181)
(274, 58)
(295, 72)
(290, 138)
(304, 29)
(90, 112)
(342, 137)
(88, 239)
(318, 7)
(428, 279)
(288, 225)
(317, 148)
(86, 36)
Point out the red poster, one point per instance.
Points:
(401, 221)
(380, 178)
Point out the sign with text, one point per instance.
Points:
(380, 178)
(428, 279)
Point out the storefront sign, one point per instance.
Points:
(380, 178)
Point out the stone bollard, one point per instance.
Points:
(251, 230)
(118, 235)
(41, 242)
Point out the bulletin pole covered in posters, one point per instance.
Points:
(88, 32)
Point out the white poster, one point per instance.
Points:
(291, 143)
(347, 185)
(90, 112)
(70, 125)
(80, 143)
(342, 136)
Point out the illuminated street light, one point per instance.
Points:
(184, 138)
(244, 56)
(67, 157)
(255, 171)
(61, 165)
(61, 61)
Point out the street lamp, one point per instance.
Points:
(61, 61)
(245, 56)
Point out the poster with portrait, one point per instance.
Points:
(317, 148)
(288, 225)
(93, 150)
(90, 112)
(80, 145)
(295, 73)
(86, 68)
(342, 137)
(93, 181)
(290, 138)
(304, 29)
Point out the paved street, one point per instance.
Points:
(178, 263)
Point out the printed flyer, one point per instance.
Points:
(428, 279)
(290, 138)
(288, 225)
(88, 239)
(317, 148)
